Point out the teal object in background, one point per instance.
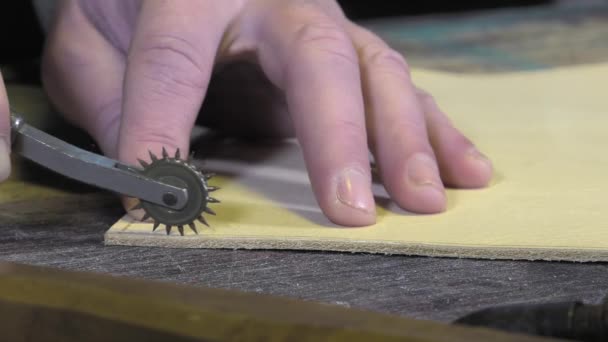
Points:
(503, 40)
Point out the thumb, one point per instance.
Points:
(5, 134)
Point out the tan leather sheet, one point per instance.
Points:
(546, 133)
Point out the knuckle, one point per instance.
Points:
(327, 38)
(320, 32)
(381, 57)
(58, 55)
(165, 84)
(350, 126)
(351, 130)
(425, 97)
(163, 133)
(436, 117)
(462, 140)
(60, 50)
(172, 61)
(59, 60)
(154, 137)
(408, 128)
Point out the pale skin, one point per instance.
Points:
(134, 75)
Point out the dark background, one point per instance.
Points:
(362, 9)
(21, 37)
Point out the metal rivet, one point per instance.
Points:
(169, 199)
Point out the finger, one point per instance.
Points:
(460, 162)
(308, 54)
(169, 66)
(397, 127)
(84, 79)
(5, 133)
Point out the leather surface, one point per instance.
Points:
(545, 131)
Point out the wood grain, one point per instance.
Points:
(431, 288)
(68, 234)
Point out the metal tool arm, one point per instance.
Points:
(91, 168)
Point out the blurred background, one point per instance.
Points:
(456, 36)
(21, 35)
(364, 9)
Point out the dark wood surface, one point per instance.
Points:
(66, 231)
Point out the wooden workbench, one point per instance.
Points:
(63, 225)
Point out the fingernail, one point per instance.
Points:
(354, 190)
(5, 160)
(422, 171)
(477, 156)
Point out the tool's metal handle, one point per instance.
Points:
(91, 168)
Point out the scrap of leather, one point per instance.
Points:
(546, 133)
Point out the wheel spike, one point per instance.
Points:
(195, 173)
(142, 163)
(152, 156)
(138, 206)
(203, 221)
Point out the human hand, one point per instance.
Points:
(5, 134)
(134, 74)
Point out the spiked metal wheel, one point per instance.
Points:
(182, 173)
